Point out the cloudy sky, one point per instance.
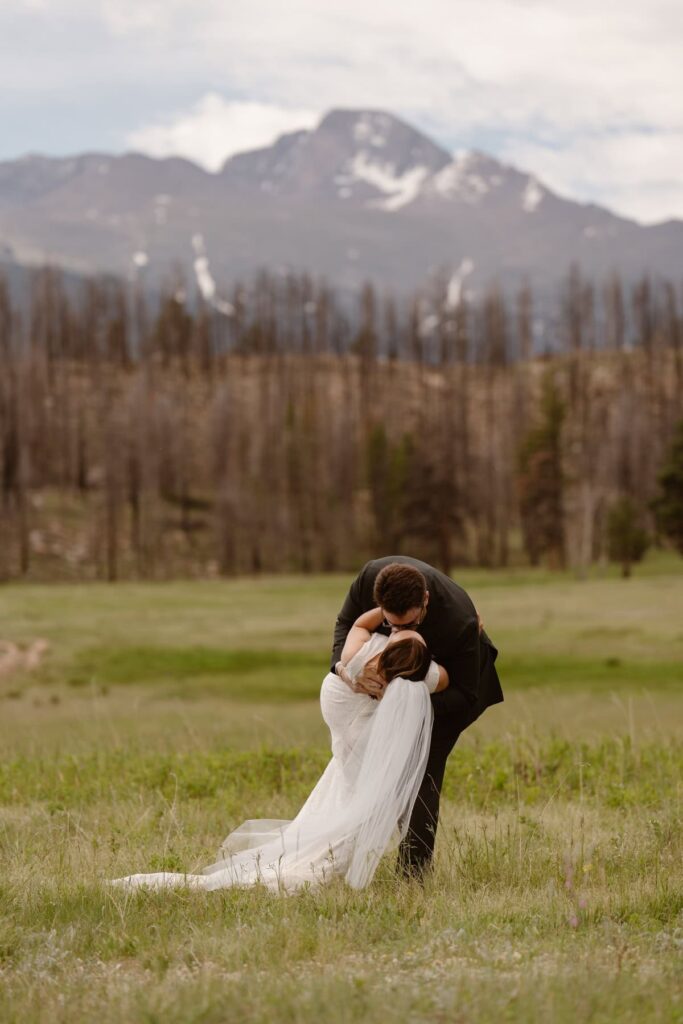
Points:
(587, 94)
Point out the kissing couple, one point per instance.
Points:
(411, 668)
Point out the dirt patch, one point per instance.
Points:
(16, 658)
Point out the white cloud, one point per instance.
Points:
(125, 18)
(555, 84)
(633, 172)
(215, 128)
(570, 64)
(582, 92)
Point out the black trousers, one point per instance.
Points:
(452, 713)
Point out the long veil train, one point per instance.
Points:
(359, 807)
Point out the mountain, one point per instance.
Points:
(350, 155)
(363, 195)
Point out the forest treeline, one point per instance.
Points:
(288, 432)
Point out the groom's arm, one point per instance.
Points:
(462, 660)
(351, 609)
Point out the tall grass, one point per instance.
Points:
(558, 889)
(147, 736)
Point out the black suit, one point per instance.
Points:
(451, 632)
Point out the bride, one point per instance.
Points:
(363, 801)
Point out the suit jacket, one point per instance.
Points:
(450, 629)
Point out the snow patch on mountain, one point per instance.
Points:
(532, 195)
(461, 179)
(401, 189)
(455, 285)
(371, 128)
(205, 281)
(207, 285)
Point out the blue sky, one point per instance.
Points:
(586, 95)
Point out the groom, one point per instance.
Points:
(414, 595)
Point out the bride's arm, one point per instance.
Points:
(360, 633)
(443, 680)
(436, 679)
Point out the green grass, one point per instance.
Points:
(164, 715)
(610, 673)
(612, 772)
(269, 639)
(563, 905)
(250, 675)
(256, 675)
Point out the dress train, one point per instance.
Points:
(359, 807)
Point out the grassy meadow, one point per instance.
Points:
(163, 715)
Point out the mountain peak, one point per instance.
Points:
(380, 132)
(364, 155)
(322, 200)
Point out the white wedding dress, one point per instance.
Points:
(359, 807)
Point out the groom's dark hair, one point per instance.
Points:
(399, 587)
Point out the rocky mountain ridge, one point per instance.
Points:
(362, 196)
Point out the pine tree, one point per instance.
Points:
(541, 482)
(668, 505)
(627, 540)
(388, 468)
(433, 511)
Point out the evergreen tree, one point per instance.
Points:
(433, 509)
(627, 541)
(668, 505)
(541, 482)
(388, 467)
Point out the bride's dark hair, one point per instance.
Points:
(408, 658)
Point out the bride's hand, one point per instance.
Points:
(340, 670)
(370, 682)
